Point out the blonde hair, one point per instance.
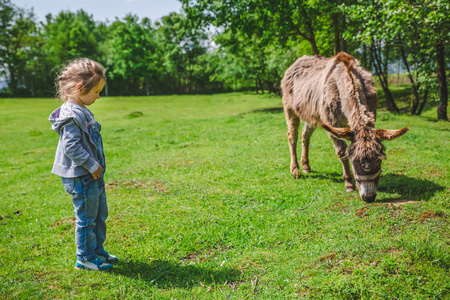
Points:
(80, 70)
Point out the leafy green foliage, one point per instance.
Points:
(132, 54)
(69, 35)
(417, 29)
(17, 43)
(224, 45)
(182, 49)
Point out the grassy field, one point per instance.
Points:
(202, 206)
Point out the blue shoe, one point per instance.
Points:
(95, 264)
(105, 256)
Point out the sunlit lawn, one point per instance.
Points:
(202, 205)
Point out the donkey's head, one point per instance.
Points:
(366, 153)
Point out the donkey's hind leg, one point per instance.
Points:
(292, 134)
(306, 136)
(340, 146)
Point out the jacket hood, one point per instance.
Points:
(65, 113)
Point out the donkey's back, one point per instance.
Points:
(314, 88)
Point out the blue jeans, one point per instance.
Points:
(91, 211)
(94, 131)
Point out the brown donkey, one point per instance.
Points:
(336, 93)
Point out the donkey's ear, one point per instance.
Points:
(387, 135)
(340, 133)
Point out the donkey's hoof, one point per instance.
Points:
(349, 187)
(296, 173)
(306, 168)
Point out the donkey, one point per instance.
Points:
(338, 95)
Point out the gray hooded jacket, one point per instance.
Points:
(76, 154)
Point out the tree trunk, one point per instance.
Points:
(261, 86)
(443, 91)
(189, 77)
(136, 87)
(370, 60)
(425, 95)
(311, 36)
(390, 103)
(33, 93)
(106, 89)
(415, 99)
(313, 44)
(386, 62)
(364, 56)
(344, 27)
(337, 38)
(12, 83)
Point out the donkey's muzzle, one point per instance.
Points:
(367, 190)
(367, 185)
(369, 199)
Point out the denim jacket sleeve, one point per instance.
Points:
(73, 147)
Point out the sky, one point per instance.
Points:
(103, 10)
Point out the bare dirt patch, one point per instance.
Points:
(303, 293)
(205, 254)
(340, 207)
(65, 220)
(395, 206)
(428, 215)
(433, 173)
(328, 257)
(396, 209)
(159, 186)
(362, 212)
(235, 285)
(403, 202)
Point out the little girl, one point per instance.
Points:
(80, 160)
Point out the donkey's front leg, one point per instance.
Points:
(292, 134)
(306, 136)
(340, 146)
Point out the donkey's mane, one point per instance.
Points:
(365, 145)
(361, 120)
(359, 114)
(347, 59)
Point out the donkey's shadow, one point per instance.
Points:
(407, 187)
(333, 176)
(166, 274)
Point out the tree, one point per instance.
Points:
(17, 42)
(437, 18)
(366, 20)
(62, 38)
(253, 31)
(269, 20)
(182, 47)
(419, 29)
(423, 26)
(131, 53)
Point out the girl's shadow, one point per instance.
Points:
(165, 274)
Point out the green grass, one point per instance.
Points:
(202, 205)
